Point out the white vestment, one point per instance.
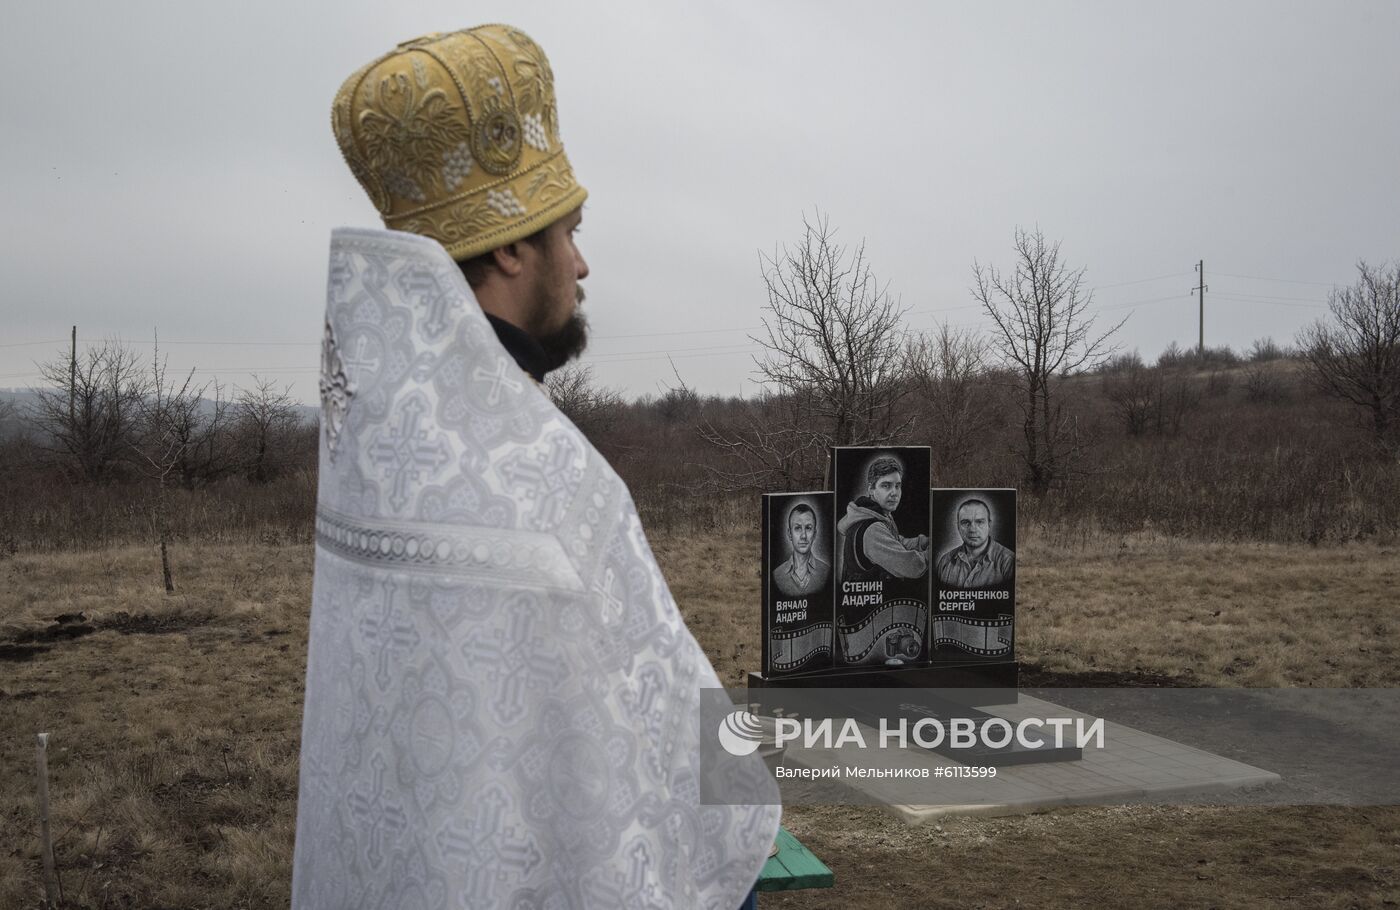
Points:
(501, 695)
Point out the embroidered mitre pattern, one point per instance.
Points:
(456, 137)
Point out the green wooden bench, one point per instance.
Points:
(794, 868)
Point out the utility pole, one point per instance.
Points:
(1200, 290)
(72, 376)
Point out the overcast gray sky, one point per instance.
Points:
(172, 165)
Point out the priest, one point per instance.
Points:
(501, 696)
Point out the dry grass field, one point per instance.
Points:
(175, 723)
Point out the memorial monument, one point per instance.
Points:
(883, 581)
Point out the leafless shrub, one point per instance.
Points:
(1224, 356)
(88, 415)
(1172, 356)
(951, 392)
(1178, 395)
(266, 422)
(1219, 382)
(1354, 355)
(1120, 363)
(1266, 349)
(769, 445)
(1135, 393)
(1193, 358)
(592, 407)
(1264, 384)
(679, 404)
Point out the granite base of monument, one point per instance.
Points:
(978, 683)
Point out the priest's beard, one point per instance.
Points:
(568, 341)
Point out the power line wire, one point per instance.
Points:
(1325, 284)
(1274, 297)
(745, 328)
(718, 347)
(664, 356)
(1234, 299)
(1120, 284)
(1119, 306)
(21, 344)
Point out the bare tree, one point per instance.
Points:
(264, 417)
(833, 338)
(1043, 332)
(1355, 355)
(166, 435)
(831, 366)
(88, 414)
(592, 407)
(201, 427)
(948, 373)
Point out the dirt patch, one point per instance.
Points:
(15, 653)
(202, 800)
(1034, 677)
(68, 626)
(147, 624)
(30, 644)
(193, 786)
(59, 631)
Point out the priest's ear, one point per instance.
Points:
(504, 259)
(507, 259)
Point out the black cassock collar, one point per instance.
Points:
(528, 354)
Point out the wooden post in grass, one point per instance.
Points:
(45, 838)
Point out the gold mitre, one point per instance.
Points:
(456, 137)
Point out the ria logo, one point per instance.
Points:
(740, 733)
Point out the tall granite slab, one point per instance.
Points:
(973, 605)
(798, 581)
(882, 556)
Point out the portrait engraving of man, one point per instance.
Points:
(797, 591)
(974, 612)
(872, 549)
(883, 555)
(804, 572)
(979, 561)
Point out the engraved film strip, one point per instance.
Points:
(857, 641)
(791, 650)
(985, 637)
